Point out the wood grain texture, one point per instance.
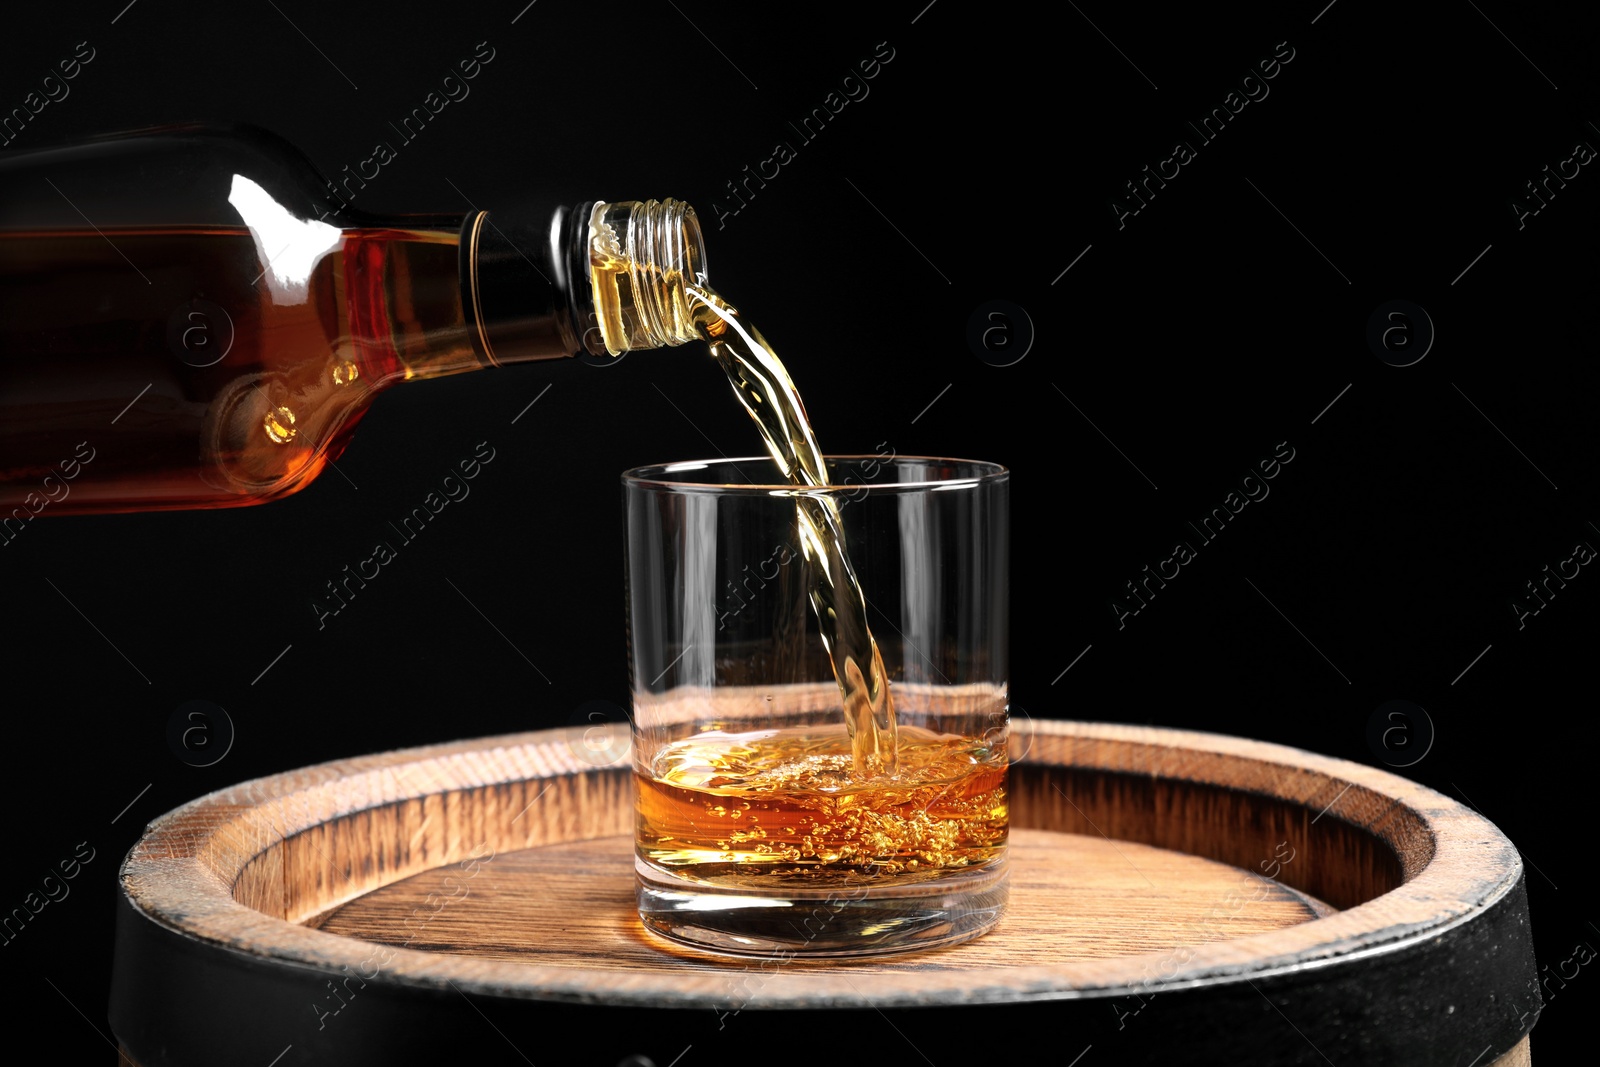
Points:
(248, 867)
(1072, 897)
(1128, 843)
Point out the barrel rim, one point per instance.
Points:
(1471, 868)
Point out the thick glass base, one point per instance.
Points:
(856, 918)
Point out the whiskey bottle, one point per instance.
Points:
(192, 317)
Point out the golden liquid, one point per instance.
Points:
(840, 607)
(196, 384)
(785, 807)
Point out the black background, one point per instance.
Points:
(1221, 320)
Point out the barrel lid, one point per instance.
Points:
(1400, 932)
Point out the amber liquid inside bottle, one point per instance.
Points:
(202, 370)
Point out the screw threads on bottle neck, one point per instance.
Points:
(642, 255)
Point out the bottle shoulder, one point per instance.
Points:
(186, 171)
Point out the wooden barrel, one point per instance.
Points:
(1176, 898)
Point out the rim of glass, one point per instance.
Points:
(659, 476)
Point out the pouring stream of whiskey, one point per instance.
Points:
(840, 607)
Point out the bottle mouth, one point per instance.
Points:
(643, 254)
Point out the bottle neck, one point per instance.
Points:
(596, 280)
(525, 289)
(599, 279)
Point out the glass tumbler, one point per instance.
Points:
(759, 831)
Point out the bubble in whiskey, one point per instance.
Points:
(785, 804)
(345, 372)
(279, 424)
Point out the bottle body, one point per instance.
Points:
(194, 388)
(193, 318)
